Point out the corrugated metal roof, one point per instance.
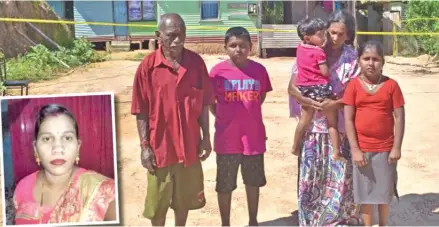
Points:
(93, 11)
(279, 39)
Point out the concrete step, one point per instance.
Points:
(120, 49)
(120, 46)
(120, 43)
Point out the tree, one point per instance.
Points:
(272, 12)
(423, 16)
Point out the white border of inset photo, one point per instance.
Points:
(116, 178)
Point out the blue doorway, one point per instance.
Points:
(120, 17)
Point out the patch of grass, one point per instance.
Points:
(139, 56)
(131, 56)
(41, 64)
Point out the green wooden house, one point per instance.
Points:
(206, 21)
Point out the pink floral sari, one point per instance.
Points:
(86, 200)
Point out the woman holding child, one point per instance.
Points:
(325, 185)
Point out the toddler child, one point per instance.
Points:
(313, 80)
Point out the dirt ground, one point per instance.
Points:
(418, 181)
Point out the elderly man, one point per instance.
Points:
(171, 95)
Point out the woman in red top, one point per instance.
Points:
(374, 120)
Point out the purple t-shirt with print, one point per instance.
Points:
(239, 128)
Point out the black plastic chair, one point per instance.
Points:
(13, 84)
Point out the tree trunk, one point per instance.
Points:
(354, 14)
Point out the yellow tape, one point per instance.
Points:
(211, 28)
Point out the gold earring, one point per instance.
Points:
(77, 160)
(37, 159)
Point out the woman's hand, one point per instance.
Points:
(329, 105)
(358, 157)
(302, 100)
(307, 102)
(295, 93)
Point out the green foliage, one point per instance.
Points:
(272, 12)
(139, 56)
(40, 63)
(61, 36)
(423, 16)
(2, 87)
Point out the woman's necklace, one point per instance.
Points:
(42, 187)
(372, 87)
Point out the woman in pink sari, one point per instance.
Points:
(61, 192)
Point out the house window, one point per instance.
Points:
(209, 10)
(141, 10)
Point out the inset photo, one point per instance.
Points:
(59, 160)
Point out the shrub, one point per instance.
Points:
(40, 63)
(423, 16)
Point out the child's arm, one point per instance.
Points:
(263, 96)
(265, 85)
(212, 108)
(294, 92)
(399, 127)
(321, 61)
(357, 155)
(324, 69)
(399, 115)
(349, 116)
(212, 76)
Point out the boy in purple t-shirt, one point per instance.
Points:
(313, 80)
(240, 86)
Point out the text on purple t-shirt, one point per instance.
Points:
(239, 127)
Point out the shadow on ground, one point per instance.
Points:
(410, 210)
(292, 220)
(415, 210)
